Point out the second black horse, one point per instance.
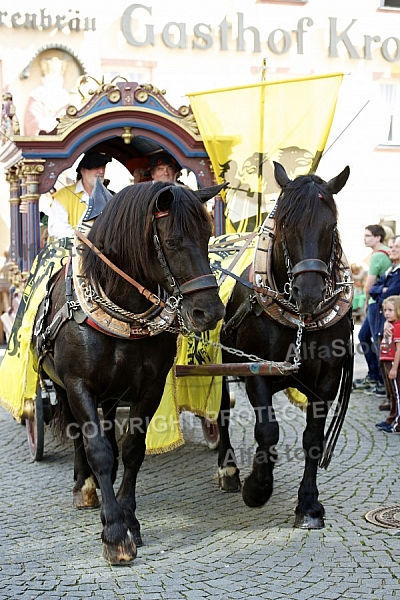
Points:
(303, 313)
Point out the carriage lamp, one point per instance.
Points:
(29, 410)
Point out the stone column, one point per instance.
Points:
(30, 174)
(23, 210)
(15, 252)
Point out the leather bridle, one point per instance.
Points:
(202, 282)
(308, 265)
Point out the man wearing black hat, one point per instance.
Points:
(70, 202)
(163, 167)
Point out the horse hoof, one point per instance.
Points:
(137, 538)
(255, 496)
(86, 497)
(120, 554)
(229, 480)
(308, 522)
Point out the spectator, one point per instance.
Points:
(359, 277)
(390, 359)
(387, 285)
(389, 234)
(379, 263)
(70, 202)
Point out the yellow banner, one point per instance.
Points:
(18, 375)
(245, 128)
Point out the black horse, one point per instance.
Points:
(297, 312)
(156, 235)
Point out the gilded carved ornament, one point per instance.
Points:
(9, 121)
(89, 95)
(31, 169)
(183, 115)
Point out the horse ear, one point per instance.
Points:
(207, 193)
(338, 182)
(280, 174)
(164, 198)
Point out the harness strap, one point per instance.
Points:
(248, 306)
(203, 282)
(310, 265)
(133, 336)
(264, 291)
(142, 290)
(237, 257)
(50, 333)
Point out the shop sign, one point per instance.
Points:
(44, 21)
(279, 41)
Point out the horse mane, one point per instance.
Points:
(123, 232)
(298, 209)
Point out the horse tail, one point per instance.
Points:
(342, 404)
(62, 421)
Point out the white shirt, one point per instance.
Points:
(58, 224)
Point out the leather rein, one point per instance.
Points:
(142, 290)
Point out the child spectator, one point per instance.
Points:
(359, 299)
(389, 357)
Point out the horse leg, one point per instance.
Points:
(133, 453)
(109, 410)
(228, 472)
(309, 511)
(258, 486)
(118, 543)
(84, 491)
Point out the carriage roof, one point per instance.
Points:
(123, 119)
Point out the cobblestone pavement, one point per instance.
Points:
(199, 542)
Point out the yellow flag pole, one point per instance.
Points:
(261, 144)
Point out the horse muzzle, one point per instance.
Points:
(309, 285)
(202, 311)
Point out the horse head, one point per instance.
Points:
(182, 230)
(307, 246)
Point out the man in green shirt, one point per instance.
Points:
(374, 236)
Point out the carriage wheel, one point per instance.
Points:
(211, 433)
(35, 428)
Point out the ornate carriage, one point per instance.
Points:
(124, 119)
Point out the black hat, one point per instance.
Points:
(163, 158)
(91, 160)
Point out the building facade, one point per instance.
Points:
(52, 57)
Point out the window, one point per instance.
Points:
(133, 70)
(390, 3)
(390, 98)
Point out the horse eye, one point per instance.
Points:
(170, 244)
